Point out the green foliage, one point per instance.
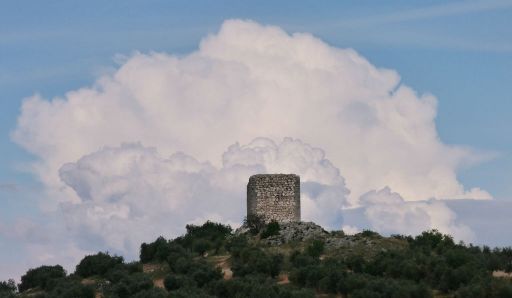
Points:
(189, 272)
(432, 240)
(316, 248)
(431, 261)
(157, 250)
(499, 259)
(356, 263)
(270, 230)
(40, 277)
(256, 286)
(368, 233)
(208, 236)
(130, 285)
(151, 293)
(254, 223)
(299, 259)
(198, 239)
(70, 288)
(201, 246)
(418, 267)
(7, 288)
(502, 289)
(339, 233)
(173, 282)
(98, 264)
(253, 260)
(176, 252)
(121, 271)
(209, 230)
(236, 244)
(191, 292)
(204, 273)
(198, 272)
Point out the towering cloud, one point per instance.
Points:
(389, 213)
(167, 140)
(249, 81)
(131, 193)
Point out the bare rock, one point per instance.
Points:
(297, 232)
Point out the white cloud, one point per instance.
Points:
(244, 88)
(27, 243)
(350, 230)
(389, 213)
(244, 82)
(130, 194)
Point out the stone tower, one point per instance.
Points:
(274, 197)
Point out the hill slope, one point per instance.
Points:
(287, 260)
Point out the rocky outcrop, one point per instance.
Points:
(297, 232)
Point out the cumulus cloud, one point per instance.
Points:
(247, 81)
(167, 140)
(129, 194)
(389, 213)
(43, 242)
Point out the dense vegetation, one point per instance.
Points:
(212, 261)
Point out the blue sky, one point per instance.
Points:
(459, 51)
(463, 57)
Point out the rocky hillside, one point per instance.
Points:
(281, 260)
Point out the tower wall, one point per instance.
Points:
(274, 197)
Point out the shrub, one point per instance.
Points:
(253, 285)
(157, 250)
(205, 273)
(316, 248)
(131, 285)
(253, 260)
(70, 288)
(7, 288)
(116, 274)
(300, 293)
(191, 292)
(432, 239)
(40, 277)
(173, 282)
(299, 259)
(132, 267)
(369, 233)
(176, 252)
(201, 246)
(208, 236)
(255, 223)
(236, 244)
(209, 231)
(151, 293)
(271, 229)
(182, 265)
(98, 264)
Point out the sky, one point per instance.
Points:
(126, 120)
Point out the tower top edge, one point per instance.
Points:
(280, 175)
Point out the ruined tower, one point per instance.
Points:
(274, 197)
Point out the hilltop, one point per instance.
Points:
(281, 260)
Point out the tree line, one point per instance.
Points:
(426, 265)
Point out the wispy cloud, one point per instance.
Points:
(407, 37)
(429, 12)
(398, 28)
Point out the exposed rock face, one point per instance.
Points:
(274, 197)
(297, 232)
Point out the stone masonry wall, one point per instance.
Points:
(274, 197)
